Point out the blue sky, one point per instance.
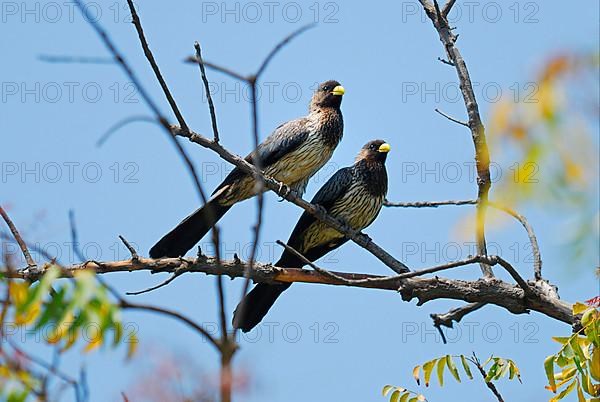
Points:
(385, 54)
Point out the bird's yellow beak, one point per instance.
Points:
(385, 147)
(339, 90)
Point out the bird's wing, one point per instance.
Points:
(332, 190)
(283, 140)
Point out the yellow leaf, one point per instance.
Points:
(579, 308)
(18, 292)
(95, 343)
(549, 368)
(132, 345)
(386, 389)
(595, 364)
(416, 372)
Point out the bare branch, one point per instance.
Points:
(537, 258)
(482, 157)
(134, 254)
(48, 58)
(447, 8)
(428, 204)
(219, 68)
(18, 238)
(280, 46)
(462, 123)
(313, 265)
(456, 314)
(506, 295)
(160, 285)
(148, 53)
(122, 123)
(141, 90)
(211, 106)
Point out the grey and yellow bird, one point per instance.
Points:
(292, 154)
(353, 194)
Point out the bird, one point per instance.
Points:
(292, 154)
(355, 195)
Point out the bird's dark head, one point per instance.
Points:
(374, 151)
(328, 94)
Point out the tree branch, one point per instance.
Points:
(506, 295)
(428, 204)
(482, 157)
(18, 238)
(491, 386)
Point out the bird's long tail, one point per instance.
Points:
(256, 304)
(189, 232)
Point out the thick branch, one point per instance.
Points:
(506, 295)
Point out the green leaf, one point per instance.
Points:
(428, 369)
(452, 367)
(492, 371)
(395, 396)
(465, 365)
(404, 397)
(514, 371)
(577, 350)
(504, 368)
(414, 399)
(440, 371)
(549, 368)
(37, 292)
(53, 309)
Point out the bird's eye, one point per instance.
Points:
(326, 88)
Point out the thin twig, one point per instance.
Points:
(171, 313)
(280, 46)
(537, 258)
(134, 254)
(211, 106)
(135, 19)
(49, 58)
(447, 8)
(219, 68)
(18, 238)
(428, 204)
(160, 285)
(125, 304)
(142, 91)
(462, 123)
(489, 384)
(312, 264)
(122, 123)
(75, 237)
